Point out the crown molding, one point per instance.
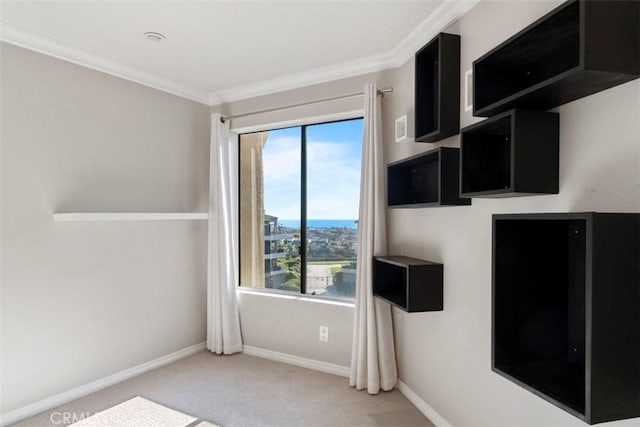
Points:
(314, 76)
(443, 16)
(438, 20)
(42, 45)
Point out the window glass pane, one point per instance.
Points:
(270, 176)
(334, 152)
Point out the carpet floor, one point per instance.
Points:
(244, 391)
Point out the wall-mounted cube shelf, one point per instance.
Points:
(512, 154)
(437, 89)
(425, 180)
(408, 283)
(579, 48)
(566, 310)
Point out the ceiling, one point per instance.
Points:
(219, 51)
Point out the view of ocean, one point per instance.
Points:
(319, 223)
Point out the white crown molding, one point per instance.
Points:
(40, 44)
(444, 15)
(35, 408)
(318, 75)
(438, 20)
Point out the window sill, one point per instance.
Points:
(270, 293)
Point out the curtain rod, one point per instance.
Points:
(302, 104)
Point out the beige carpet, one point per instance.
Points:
(246, 391)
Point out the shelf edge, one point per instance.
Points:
(129, 216)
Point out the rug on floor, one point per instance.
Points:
(140, 412)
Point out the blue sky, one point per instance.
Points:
(333, 171)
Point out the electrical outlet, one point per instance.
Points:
(324, 333)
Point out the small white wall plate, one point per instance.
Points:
(468, 90)
(401, 129)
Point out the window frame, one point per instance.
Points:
(302, 124)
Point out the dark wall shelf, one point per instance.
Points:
(566, 310)
(408, 283)
(437, 89)
(579, 48)
(425, 180)
(512, 154)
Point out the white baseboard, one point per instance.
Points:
(437, 419)
(78, 392)
(92, 387)
(344, 371)
(302, 362)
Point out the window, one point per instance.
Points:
(299, 197)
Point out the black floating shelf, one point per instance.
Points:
(566, 310)
(515, 153)
(437, 89)
(408, 283)
(428, 179)
(579, 48)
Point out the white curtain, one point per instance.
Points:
(373, 362)
(223, 322)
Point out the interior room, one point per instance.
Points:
(320, 213)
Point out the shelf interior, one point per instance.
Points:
(390, 282)
(415, 181)
(486, 157)
(540, 53)
(427, 82)
(539, 306)
(562, 380)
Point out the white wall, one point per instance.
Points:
(445, 357)
(103, 297)
(290, 325)
(81, 301)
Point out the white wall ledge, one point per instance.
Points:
(129, 216)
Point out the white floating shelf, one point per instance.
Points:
(130, 216)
